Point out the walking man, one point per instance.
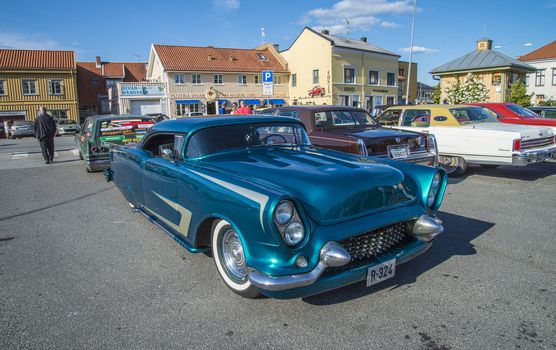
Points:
(45, 130)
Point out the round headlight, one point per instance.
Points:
(431, 198)
(284, 213)
(435, 185)
(436, 182)
(294, 233)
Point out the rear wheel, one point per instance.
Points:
(229, 257)
(454, 166)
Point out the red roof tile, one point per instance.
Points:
(547, 51)
(36, 59)
(214, 59)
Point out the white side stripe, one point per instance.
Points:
(247, 193)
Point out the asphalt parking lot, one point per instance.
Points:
(79, 270)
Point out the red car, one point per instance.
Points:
(512, 113)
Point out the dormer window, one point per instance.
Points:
(262, 57)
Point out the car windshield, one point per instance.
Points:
(244, 136)
(124, 130)
(65, 122)
(522, 111)
(473, 115)
(21, 123)
(343, 118)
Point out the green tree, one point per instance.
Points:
(436, 93)
(518, 94)
(472, 90)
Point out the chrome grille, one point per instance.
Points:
(545, 141)
(373, 243)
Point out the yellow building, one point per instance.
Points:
(496, 70)
(30, 79)
(327, 69)
(403, 71)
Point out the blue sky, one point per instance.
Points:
(124, 30)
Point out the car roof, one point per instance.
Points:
(429, 106)
(319, 108)
(117, 116)
(191, 124)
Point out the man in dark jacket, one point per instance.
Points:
(45, 130)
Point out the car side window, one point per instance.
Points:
(416, 117)
(88, 127)
(156, 143)
(390, 117)
(549, 114)
(323, 119)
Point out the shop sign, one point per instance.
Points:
(349, 88)
(141, 90)
(9, 113)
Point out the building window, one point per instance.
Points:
(373, 77)
(196, 79)
(344, 100)
(111, 82)
(29, 87)
(55, 87)
(218, 79)
(539, 78)
(553, 77)
(391, 79)
(315, 76)
(389, 100)
(242, 79)
(179, 78)
(257, 79)
(349, 75)
(401, 72)
(278, 79)
(94, 82)
(181, 109)
(261, 56)
(294, 80)
(2, 91)
(58, 113)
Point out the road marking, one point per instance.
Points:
(20, 155)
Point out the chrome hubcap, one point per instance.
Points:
(448, 163)
(232, 254)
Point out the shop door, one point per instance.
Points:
(145, 107)
(211, 107)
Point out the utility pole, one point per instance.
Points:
(410, 53)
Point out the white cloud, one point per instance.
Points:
(418, 49)
(24, 41)
(361, 14)
(229, 4)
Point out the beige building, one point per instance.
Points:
(496, 70)
(327, 69)
(201, 79)
(403, 71)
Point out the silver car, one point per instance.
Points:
(21, 128)
(66, 127)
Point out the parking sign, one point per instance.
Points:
(268, 76)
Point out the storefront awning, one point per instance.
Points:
(276, 101)
(188, 102)
(251, 102)
(220, 102)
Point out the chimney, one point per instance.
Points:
(325, 31)
(277, 47)
(484, 44)
(98, 63)
(364, 39)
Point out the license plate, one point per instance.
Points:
(398, 151)
(381, 272)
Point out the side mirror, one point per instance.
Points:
(168, 155)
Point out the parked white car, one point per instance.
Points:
(471, 134)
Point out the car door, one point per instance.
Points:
(160, 193)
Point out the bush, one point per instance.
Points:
(472, 90)
(518, 94)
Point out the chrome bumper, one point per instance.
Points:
(523, 158)
(421, 158)
(98, 164)
(332, 254)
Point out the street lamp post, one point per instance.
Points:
(407, 81)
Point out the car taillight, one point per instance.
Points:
(89, 134)
(94, 149)
(103, 149)
(517, 145)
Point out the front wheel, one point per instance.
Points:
(229, 257)
(454, 166)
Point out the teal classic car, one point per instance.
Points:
(99, 132)
(280, 217)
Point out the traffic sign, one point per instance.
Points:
(268, 89)
(268, 76)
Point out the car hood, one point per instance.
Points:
(377, 140)
(527, 131)
(331, 186)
